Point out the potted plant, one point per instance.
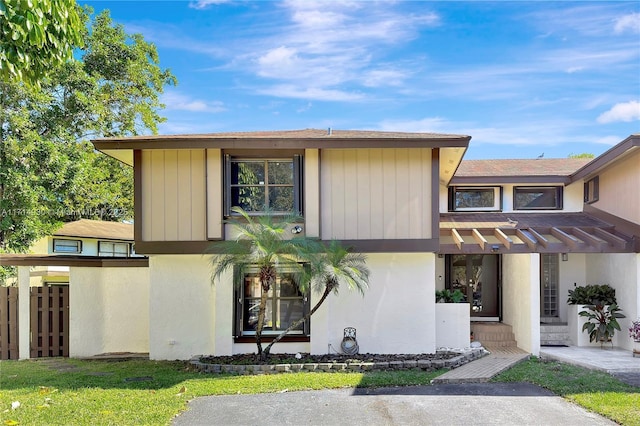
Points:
(580, 298)
(448, 296)
(634, 333)
(602, 321)
(453, 322)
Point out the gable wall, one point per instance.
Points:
(619, 194)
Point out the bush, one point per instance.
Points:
(446, 296)
(591, 294)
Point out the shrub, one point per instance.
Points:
(592, 294)
(447, 296)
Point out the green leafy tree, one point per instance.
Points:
(583, 155)
(49, 173)
(261, 243)
(37, 36)
(330, 267)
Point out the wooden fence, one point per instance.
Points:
(8, 323)
(49, 321)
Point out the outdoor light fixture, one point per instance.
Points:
(296, 229)
(565, 257)
(495, 248)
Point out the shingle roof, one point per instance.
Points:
(298, 134)
(86, 228)
(520, 167)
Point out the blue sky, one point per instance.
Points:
(522, 78)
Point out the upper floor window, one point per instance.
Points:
(260, 184)
(537, 198)
(474, 198)
(113, 249)
(592, 190)
(67, 246)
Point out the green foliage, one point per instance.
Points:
(592, 293)
(602, 321)
(37, 36)
(447, 296)
(583, 155)
(49, 173)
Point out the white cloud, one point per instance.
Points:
(203, 4)
(179, 102)
(625, 111)
(310, 93)
(608, 140)
(630, 22)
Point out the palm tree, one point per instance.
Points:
(260, 244)
(330, 266)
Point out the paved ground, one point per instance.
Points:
(447, 404)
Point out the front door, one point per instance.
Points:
(477, 276)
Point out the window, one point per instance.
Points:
(285, 305)
(113, 249)
(475, 198)
(257, 184)
(67, 246)
(592, 190)
(537, 198)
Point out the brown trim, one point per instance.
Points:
(277, 143)
(492, 180)
(603, 160)
(137, 195)
(263, 153)
(173, 247)
(435, 194)
(269, 338)
(61, 260)
(623, 225)
(392, 246)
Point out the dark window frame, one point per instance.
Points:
(266, 157)
(78, 246)
(558, 197)
(592, 190)
(497, 206)
(242, 335)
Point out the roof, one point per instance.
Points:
(122, 148)
(519, 170)
(531, 233)
(87, 228)
(615, 153)
(14, 259)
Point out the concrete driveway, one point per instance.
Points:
(446, 404)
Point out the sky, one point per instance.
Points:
(521, 78)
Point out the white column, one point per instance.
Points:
(534, 307)
(24, 310)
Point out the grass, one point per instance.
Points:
(98, 392)
(596, 391)
(68, 391)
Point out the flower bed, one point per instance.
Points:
(288, 363)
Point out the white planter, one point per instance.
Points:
(579, 337)
(636, 349)
(453, 325)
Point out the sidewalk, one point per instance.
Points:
(483, 369)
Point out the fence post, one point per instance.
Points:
(24, 310)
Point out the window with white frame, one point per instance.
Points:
(113, 249)
(475, 198)
(260, 184)
(67, 246)
(537, 198)
(286, 304)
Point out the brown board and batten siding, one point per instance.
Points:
(618, 189)
(173, 195)
(376, 194)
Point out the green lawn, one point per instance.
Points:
(146, 392)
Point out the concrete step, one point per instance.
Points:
(554, 328)
(554, 334)
(550, 320)
(496, 335)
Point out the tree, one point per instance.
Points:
(49, 173)
(583, 155)
(261, 242)
(331, 266)
(36, 36)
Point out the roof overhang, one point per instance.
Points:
(12, 259)
(618, 152)
(501, 233)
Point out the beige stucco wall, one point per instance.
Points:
(376, 193)
(108, 310)
(182, 301)
(622, 272)
(173, 195)
(521, 298)
(619, 194)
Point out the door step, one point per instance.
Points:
(556, 334)
(493, 335)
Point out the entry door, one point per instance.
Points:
(477, 276)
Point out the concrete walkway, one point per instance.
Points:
(485, 368)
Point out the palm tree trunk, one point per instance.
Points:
(262, 309)
(327, 290)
